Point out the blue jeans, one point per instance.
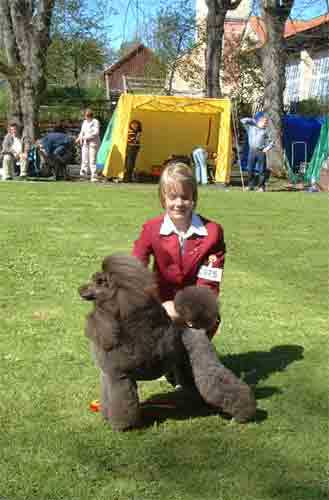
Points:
(256, 168)
(199, 156)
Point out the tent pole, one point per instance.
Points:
(125, 86)
(234, 120)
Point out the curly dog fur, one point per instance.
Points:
(133, 339)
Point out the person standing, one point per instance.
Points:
(200, 160)
(133, 147)
(89, 140)
(259, 142)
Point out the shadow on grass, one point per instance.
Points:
(182, 405)
(255, 366)
(252, 366)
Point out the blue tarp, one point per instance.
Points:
(296, 129)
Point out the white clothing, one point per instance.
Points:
(88, 159)
(196, 227)
(17, 147)
(90, 141)
(89, 132)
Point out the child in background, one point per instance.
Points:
(187, 248)
(259, 142)
(133, 147)
(89, 141)
(200, 159)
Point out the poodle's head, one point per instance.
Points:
(197, 307)
(123, 285)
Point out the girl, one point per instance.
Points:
(187, 248)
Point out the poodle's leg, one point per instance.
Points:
(122, 408)
(181, 375)
(217, 385)
(105, 394)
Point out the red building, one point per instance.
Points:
(132, 64)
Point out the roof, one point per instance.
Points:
(292, 27)
(130, 55)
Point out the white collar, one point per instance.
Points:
(196, 227)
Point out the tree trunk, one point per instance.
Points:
(215, 33)
(273, 59)
(217, 10)
(25, 32)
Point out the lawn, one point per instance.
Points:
(275, 335)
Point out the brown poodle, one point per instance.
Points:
(133, 339)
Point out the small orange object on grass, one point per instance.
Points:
(95, 406)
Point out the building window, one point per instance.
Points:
(320, 77)
(291, 93)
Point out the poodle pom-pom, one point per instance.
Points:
(197, 306)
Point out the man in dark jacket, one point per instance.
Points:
(56, 150)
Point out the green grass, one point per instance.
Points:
(275, 312)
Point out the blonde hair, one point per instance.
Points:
(177, 173)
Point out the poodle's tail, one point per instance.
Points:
(217, 385)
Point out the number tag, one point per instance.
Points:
(210, 273)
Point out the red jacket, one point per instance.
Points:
(175, 271)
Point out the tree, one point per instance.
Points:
(174, 37)
(78, 40)
(217, 10)
(25, 26)
(243, 76)
(273, 57)
(71, 59)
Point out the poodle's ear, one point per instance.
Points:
(103, 330)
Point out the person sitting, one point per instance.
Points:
(56, 150)
(14, 152)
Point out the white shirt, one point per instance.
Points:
(196, 227)
(90, 131)
(16, 148)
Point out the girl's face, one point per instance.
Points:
(178, 202)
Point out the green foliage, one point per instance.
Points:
(79, 41)
(274, 333)
(174, 35)
(174, 31)
(72, 60)
(68, 103)
(312, 107)
(66, 95)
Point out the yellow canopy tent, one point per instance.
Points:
(171, 125)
